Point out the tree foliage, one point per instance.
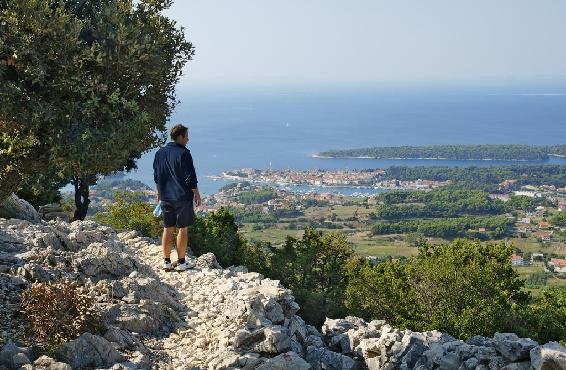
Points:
(217, 233)
(466, 226)
(438, 203)
(559, 219)
(454, 152)
(256, 196)
(313, 266)
(545, 318)
(485, 178)
(129, 212)
(463, 288)
(89, 84)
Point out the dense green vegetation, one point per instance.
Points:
(437, 203)
(559, 219)
(256, 214)
(466, 226)
(520, 202)
(485, 178)
(256, 196)
(86, 87)
(129, 211)
(446, 212)
(463, 288)
(544, 319)
(106, 187)
(455, 152)
(218, 233)
(313, 266)
(253, 214)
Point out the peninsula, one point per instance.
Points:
(504, 152)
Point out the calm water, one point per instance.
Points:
(255, 127)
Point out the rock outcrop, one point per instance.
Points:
(209, 317)
(14, 207)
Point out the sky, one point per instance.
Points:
(249, 42)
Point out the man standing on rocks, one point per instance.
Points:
(176, 182)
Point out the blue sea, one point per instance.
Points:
(283, 127)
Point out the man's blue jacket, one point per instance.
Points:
(174, 173)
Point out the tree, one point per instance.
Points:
(545, 318)
(88, 84)
(463, 288)
(217, 233)
(559, 219)
(314, 268)
(380, 291)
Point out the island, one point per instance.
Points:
(504, 152)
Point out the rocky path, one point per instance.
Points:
(225, 311)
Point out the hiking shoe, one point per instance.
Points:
(184, 266)
(167, 265)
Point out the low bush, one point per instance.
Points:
(59, 312)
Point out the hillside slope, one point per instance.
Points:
(210, 317)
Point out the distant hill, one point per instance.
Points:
(508, 152)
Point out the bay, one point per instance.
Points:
(283, 127)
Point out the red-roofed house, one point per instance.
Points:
(559, 264)
(543, 225)
(516, 260)
(546, 237)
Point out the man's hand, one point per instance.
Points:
(198, 200)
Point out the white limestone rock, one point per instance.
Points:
(47, 363)
(14, 207)
(512, 347)
(89, 350)
(284, 361)
(549, 356)
(104, 260)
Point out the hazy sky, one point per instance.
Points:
(330, 41)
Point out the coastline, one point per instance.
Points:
(435, 158)
(234, 178)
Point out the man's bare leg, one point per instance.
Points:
(166, 240)
(182, 241)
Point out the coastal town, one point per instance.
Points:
(370, 178)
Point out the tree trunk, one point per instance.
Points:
(82, 195)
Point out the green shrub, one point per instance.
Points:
(544, 319)
(463, 288)
(217, 233)
(314, 268)
(129, 212)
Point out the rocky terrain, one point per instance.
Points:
(209, 317)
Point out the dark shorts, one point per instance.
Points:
(177, 214)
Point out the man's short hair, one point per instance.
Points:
(178, 130)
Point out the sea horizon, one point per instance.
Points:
(239, 127)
